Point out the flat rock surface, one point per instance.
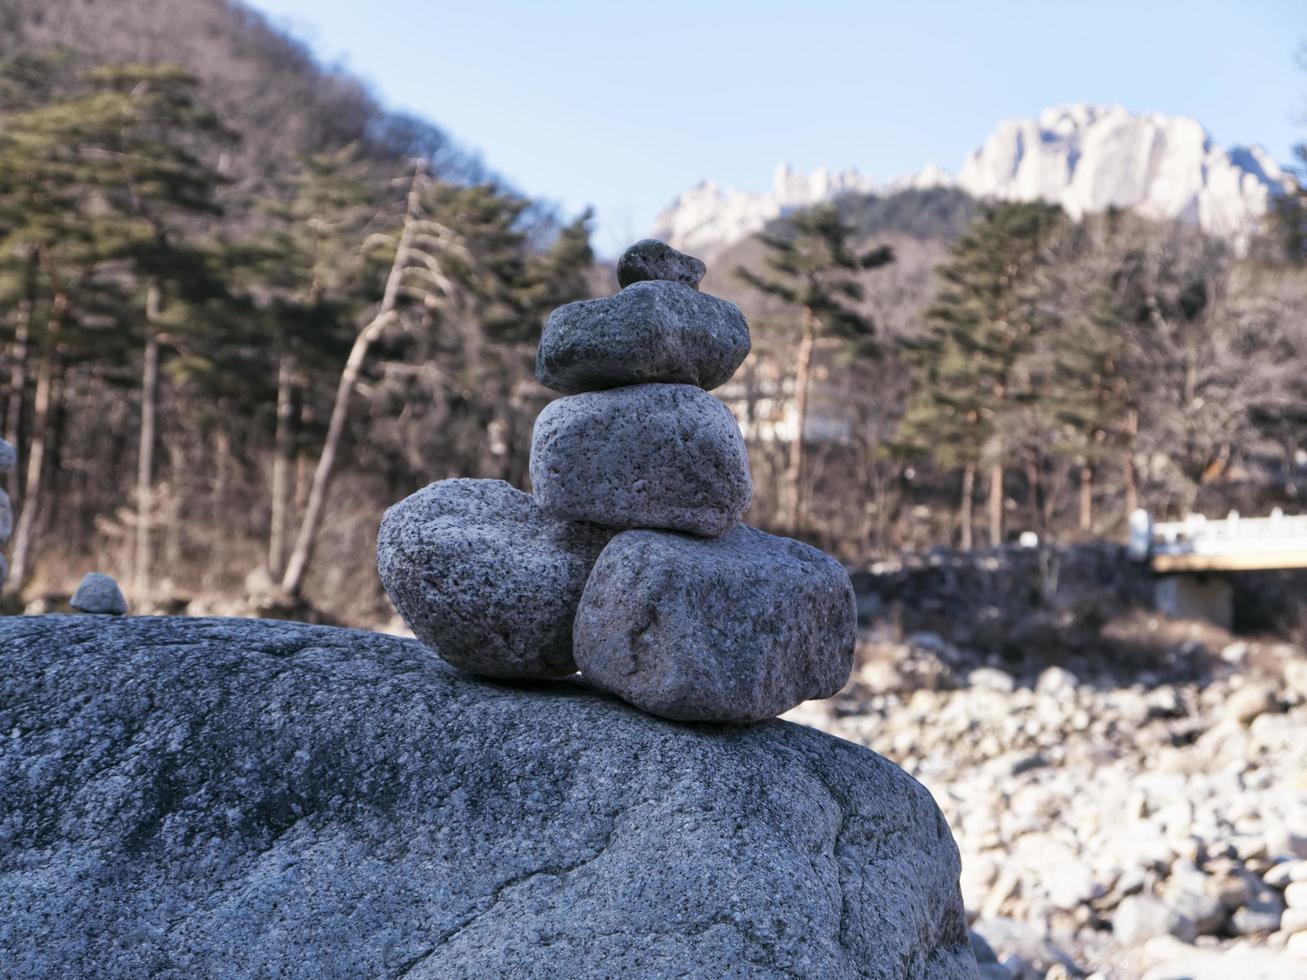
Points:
(738, 628)
(650, 331)
(198, 797)
(487, 579)
(652, 456)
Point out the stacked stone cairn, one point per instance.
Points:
(8, 458)
(628, 561)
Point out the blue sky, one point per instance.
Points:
(622, 104)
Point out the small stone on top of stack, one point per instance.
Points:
(628, 560)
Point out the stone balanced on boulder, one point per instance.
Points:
(628, 561)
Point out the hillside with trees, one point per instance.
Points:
(1052, 374)
(244, 308)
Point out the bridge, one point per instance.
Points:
(1233, 544)
(1191, 555)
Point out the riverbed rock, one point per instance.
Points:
(738, 628)
(650, 259)
(485, 577)
(644, 456)
(198, 797)
(98, 593)
(649, 332)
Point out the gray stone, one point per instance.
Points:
(238, 798)
(98, 593)
(1023, 945)
(486, 578)
(1260, 912)
(652, 456)
(652, 331)
(734, 629)
(8, 457)
(1143, 917)
(6, 517)
(981, 949)
(650, 259)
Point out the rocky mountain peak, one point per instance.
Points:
(1085, 157)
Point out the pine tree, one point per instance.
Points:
(978, 329)
(306, 265)
(97, 179)
(813, 265)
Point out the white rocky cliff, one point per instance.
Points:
(1086, 158)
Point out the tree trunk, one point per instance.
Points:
(303, 462)
(18, 370)
(1129, 476)
(298, 565)
(1086, 498)
(24, 532)
(281, 465)
(1131, 485)
(798, 449)
(145, 452)
(1034, 491)
(966, 506)
(996, 505)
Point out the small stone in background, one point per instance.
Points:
(651, 259)
(1142, 917)
(8, 456)
(1295, 895)
(1260, 913)
(1249, 701)
(98, 593)
(6, 517)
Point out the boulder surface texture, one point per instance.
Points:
(655, 455)
(738, 628)
(487, 579)
(650, 331)
(237, 798)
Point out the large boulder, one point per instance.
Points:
(198, 797)
(487, 579)
(650, 331)
(648, 456)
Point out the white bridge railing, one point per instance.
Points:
(1277, 541)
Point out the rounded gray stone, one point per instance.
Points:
(239, 798)
(8, 457)
(651, 331)
(650, 259)
(98, 593)
(653, 456)
(485, 578)
(738, 628)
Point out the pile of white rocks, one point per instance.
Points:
(628, 560)
(7, 460)
(1114, 826)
